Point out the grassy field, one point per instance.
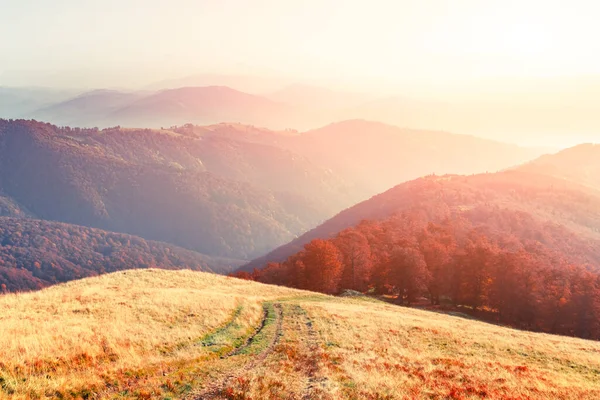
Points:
(155, 334)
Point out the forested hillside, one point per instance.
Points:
(519, 247)
(35, 254)
(544, 196)
(68, 175)
(578, 164)
(374, 157)
(503, 266)
(225, 190)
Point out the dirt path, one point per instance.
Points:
(314, 388)
(217, 388)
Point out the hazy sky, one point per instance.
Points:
(506, 66)
(441, 41)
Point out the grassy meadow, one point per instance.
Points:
(155, 334)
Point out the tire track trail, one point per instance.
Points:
(315, 385)
(217, 389)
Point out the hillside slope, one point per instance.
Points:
(543, 196)
(202, 105)
(380, 156)
(226, 190)
(141, 187)
(145, 334)
(374, 157)
(578, 164)
(35, 254)
(86, 110)
(17, 102)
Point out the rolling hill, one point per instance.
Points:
(374, 157)
(35, 254)
(158, 334)
(578, 164)
(227, 190)
(202, 105)
(18, 102)
(86, 110)
(561, 188)
(464, 239)
(245, 83)
(380, 156)
(64, 175)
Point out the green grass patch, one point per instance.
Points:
(264, 337)
(222, 334)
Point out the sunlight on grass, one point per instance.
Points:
(119, 331)
(155, 334)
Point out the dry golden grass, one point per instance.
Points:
(118, 333)
(379, 351)
(139, 334)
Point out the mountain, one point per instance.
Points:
(74, 176)
(578, 164)
(542, 195)
(371, 157)
(178, 334)
(17, 102)
(86, 110)
(35, 254)
(379, 156)
(226, 190)
(516, 247)
(245, 83)
(203, 105)
(374, 157)
(229, 151)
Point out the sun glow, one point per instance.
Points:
(391, 40)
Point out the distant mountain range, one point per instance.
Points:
(224, 190)
(88, 109)
(20, 102)
(202, 105)
(210, 99)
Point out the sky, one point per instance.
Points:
(458, 49)
(389, 41)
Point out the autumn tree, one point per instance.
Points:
(472, 271)
(408, 274)
(513, 292)
(323, 266)
(437, 246)
(356, 259)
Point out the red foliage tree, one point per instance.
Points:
(323, 266)
(356, 259)
(408, 274)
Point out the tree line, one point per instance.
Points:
(510, 277)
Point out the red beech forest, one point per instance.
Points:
(528, 274)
